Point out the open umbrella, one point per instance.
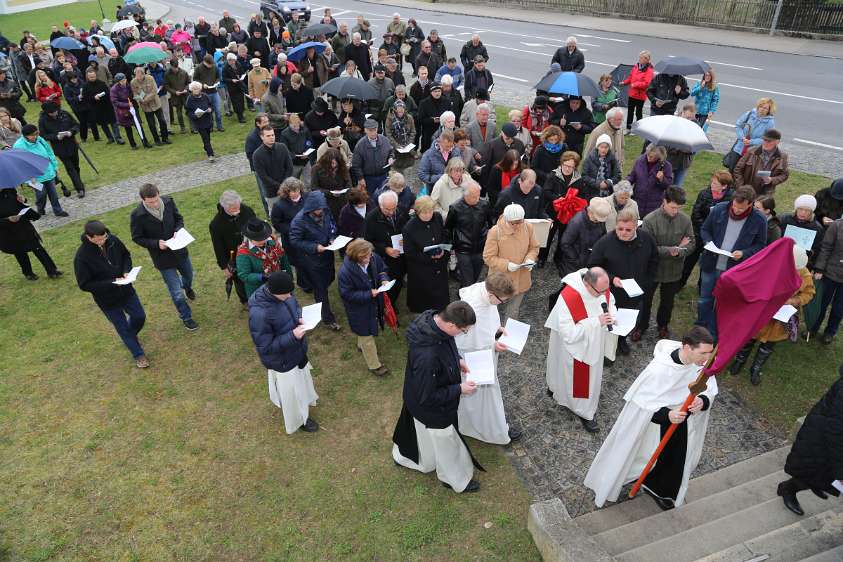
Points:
(347, 87)
(18, 166)
(145, 55)
(619, 74)
(298, 53)
(682, 65)
(672, 131)
(144, 44)
(123, 24)
(129, 10)
(68, 43)
(104, 41)
(570, 83)
(318, 29)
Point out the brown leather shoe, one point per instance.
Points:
(664, 333)
(635, 336)
(381, 371)
(142, 362)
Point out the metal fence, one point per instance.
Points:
(796, 16)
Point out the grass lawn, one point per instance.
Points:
(189, 460)
(40, 22)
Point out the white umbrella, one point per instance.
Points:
(123, 24)
(672, 131)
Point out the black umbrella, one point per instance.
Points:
(318, 29)
(130, 10)
(682, 65)
(346, 87)
(619, 74)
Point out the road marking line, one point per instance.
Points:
(823, 145)
(509, 77)
(340, 13)
(603, 38)
(779, 93)
(722, 124)
(734, 65)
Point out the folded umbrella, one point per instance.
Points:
(619, 74)
(145, 55)
(812, 310)
(130, 10)
(347, 87)
(68, 43)
(389, 315)
(318, 29)
(18, 166)
(570, 83)
(104, 41)
(123, 24)
(672, 131)
(682, 65)
(297, 53)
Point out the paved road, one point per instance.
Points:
(808, 90)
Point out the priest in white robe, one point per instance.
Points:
(481, 415)
(579, 340)
(652, 404)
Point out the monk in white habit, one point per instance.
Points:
(580, 337)
(652, 404)
(481, 415)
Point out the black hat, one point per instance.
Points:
(482, 94)
(49, 107)
(28, 129)
(280, 283)
(509, 130)
(772, 134)
(435, 86)
(837, 189)
(256, 229)
(320, 105)
(380, 68)
(370, 124)
(540, 101)
(574, 98)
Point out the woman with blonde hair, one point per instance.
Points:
(45, 89)
(427, 270)
(521, 133)
(10, 129)
(750, 128)
(706, 97)
(638, 81)
(450, 187)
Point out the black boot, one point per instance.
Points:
(761, 356)
(788, 495)
(741, 358)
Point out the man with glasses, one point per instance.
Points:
(426, 436)
(579, 340)
(481, 415)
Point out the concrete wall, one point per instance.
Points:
(15, 6)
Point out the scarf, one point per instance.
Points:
(601, 170)
(399, 130)
(718, 196)
(740, 217)
(552, 148)
(157, 213)
(270, 255)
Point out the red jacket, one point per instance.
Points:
(43, 93)
(638, 82)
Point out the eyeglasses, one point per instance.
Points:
(497, 297)
(465, 330)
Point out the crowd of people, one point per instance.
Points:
(479, 196)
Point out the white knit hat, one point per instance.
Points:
(805, 202)
(800, 256)
(604, 138)
(513, 212)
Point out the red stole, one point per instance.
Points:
(576, 306)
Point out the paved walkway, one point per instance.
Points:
(693, 34)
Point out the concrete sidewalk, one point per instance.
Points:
(706, 35)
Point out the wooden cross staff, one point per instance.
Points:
(695, 388)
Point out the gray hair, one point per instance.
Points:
(229, 198)
(447, 115)
(356, 35)
(400, 87)
(571, 39)
(614, 112)
(622, 186)
(447, 80)
(657, 149)
(396, 179)
(387, 196)
(194, 86)
(485, 107)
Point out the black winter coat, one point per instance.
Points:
(281, 215)
(828, 206)
(789, 219)
(427, 278)
(468, 226)
(18, 236)
(544, 162)
(469, 51)
(476, 80)
(574, 137)
(272, 165)
(637, 259)
(703, 206)
(227, 233)
(102, 112)
(50, 128)
(591, 167)
(663, 87)
(569, 62)
(557, 186)
(533, 202)
(96, 269)
(271, 323)
(147, 231)
(816, 458)
(316, 123)
(379, 230)
(579, 239)
(428, 109)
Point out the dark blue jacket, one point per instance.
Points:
(271, 323)
(306, 234)
(355, 287)
(253, 142)
(752, 239)
(281, 215)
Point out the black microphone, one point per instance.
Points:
(605, 308)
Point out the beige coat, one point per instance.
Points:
(258, 81)
(517, 244)
(150, 102)
(343, 148)
(445, 192)
(612, 219)
(616, 136)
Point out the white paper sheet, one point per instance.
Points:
(407, 149)
(23, 211)
(516, 335)
(632, 288)
(838, 484)
(784, 313)
(307, 152)
(388, 286)
(243, 77)
(179, 240)
(481, 366)
(338, 243)
(625, 320)
(130, 277)
(199, 112)
(36, 185)
(398, 242)
(339, 192)
(311, 315)
(443, 247)
(712, 247)
(803, 237)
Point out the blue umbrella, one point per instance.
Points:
(570, 83)
(68, 43)
(18, 166)
(297, 53)
(104, 41)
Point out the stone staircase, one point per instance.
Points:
(731, 515)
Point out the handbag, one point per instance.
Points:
(730, 160)
(405, 49)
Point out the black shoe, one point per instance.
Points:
(549, 392)
(307, 290)
(827, 339)
(159, 143)
(590, 425)
(761, 357)
(241, 120)
(109, 141)
(221, 130)
(190, 293)
(166, 141)
(515, 434)
(789, 499)
(623, 347)
(147, 145)
(31, 276)
(55, 275)
(119, 141)
(540, 264)
(81, 193)
(66, 192)
(472, 486)
(134, 147)
(62, 214)
(663, 503)
(191, 325)
(310, 426)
